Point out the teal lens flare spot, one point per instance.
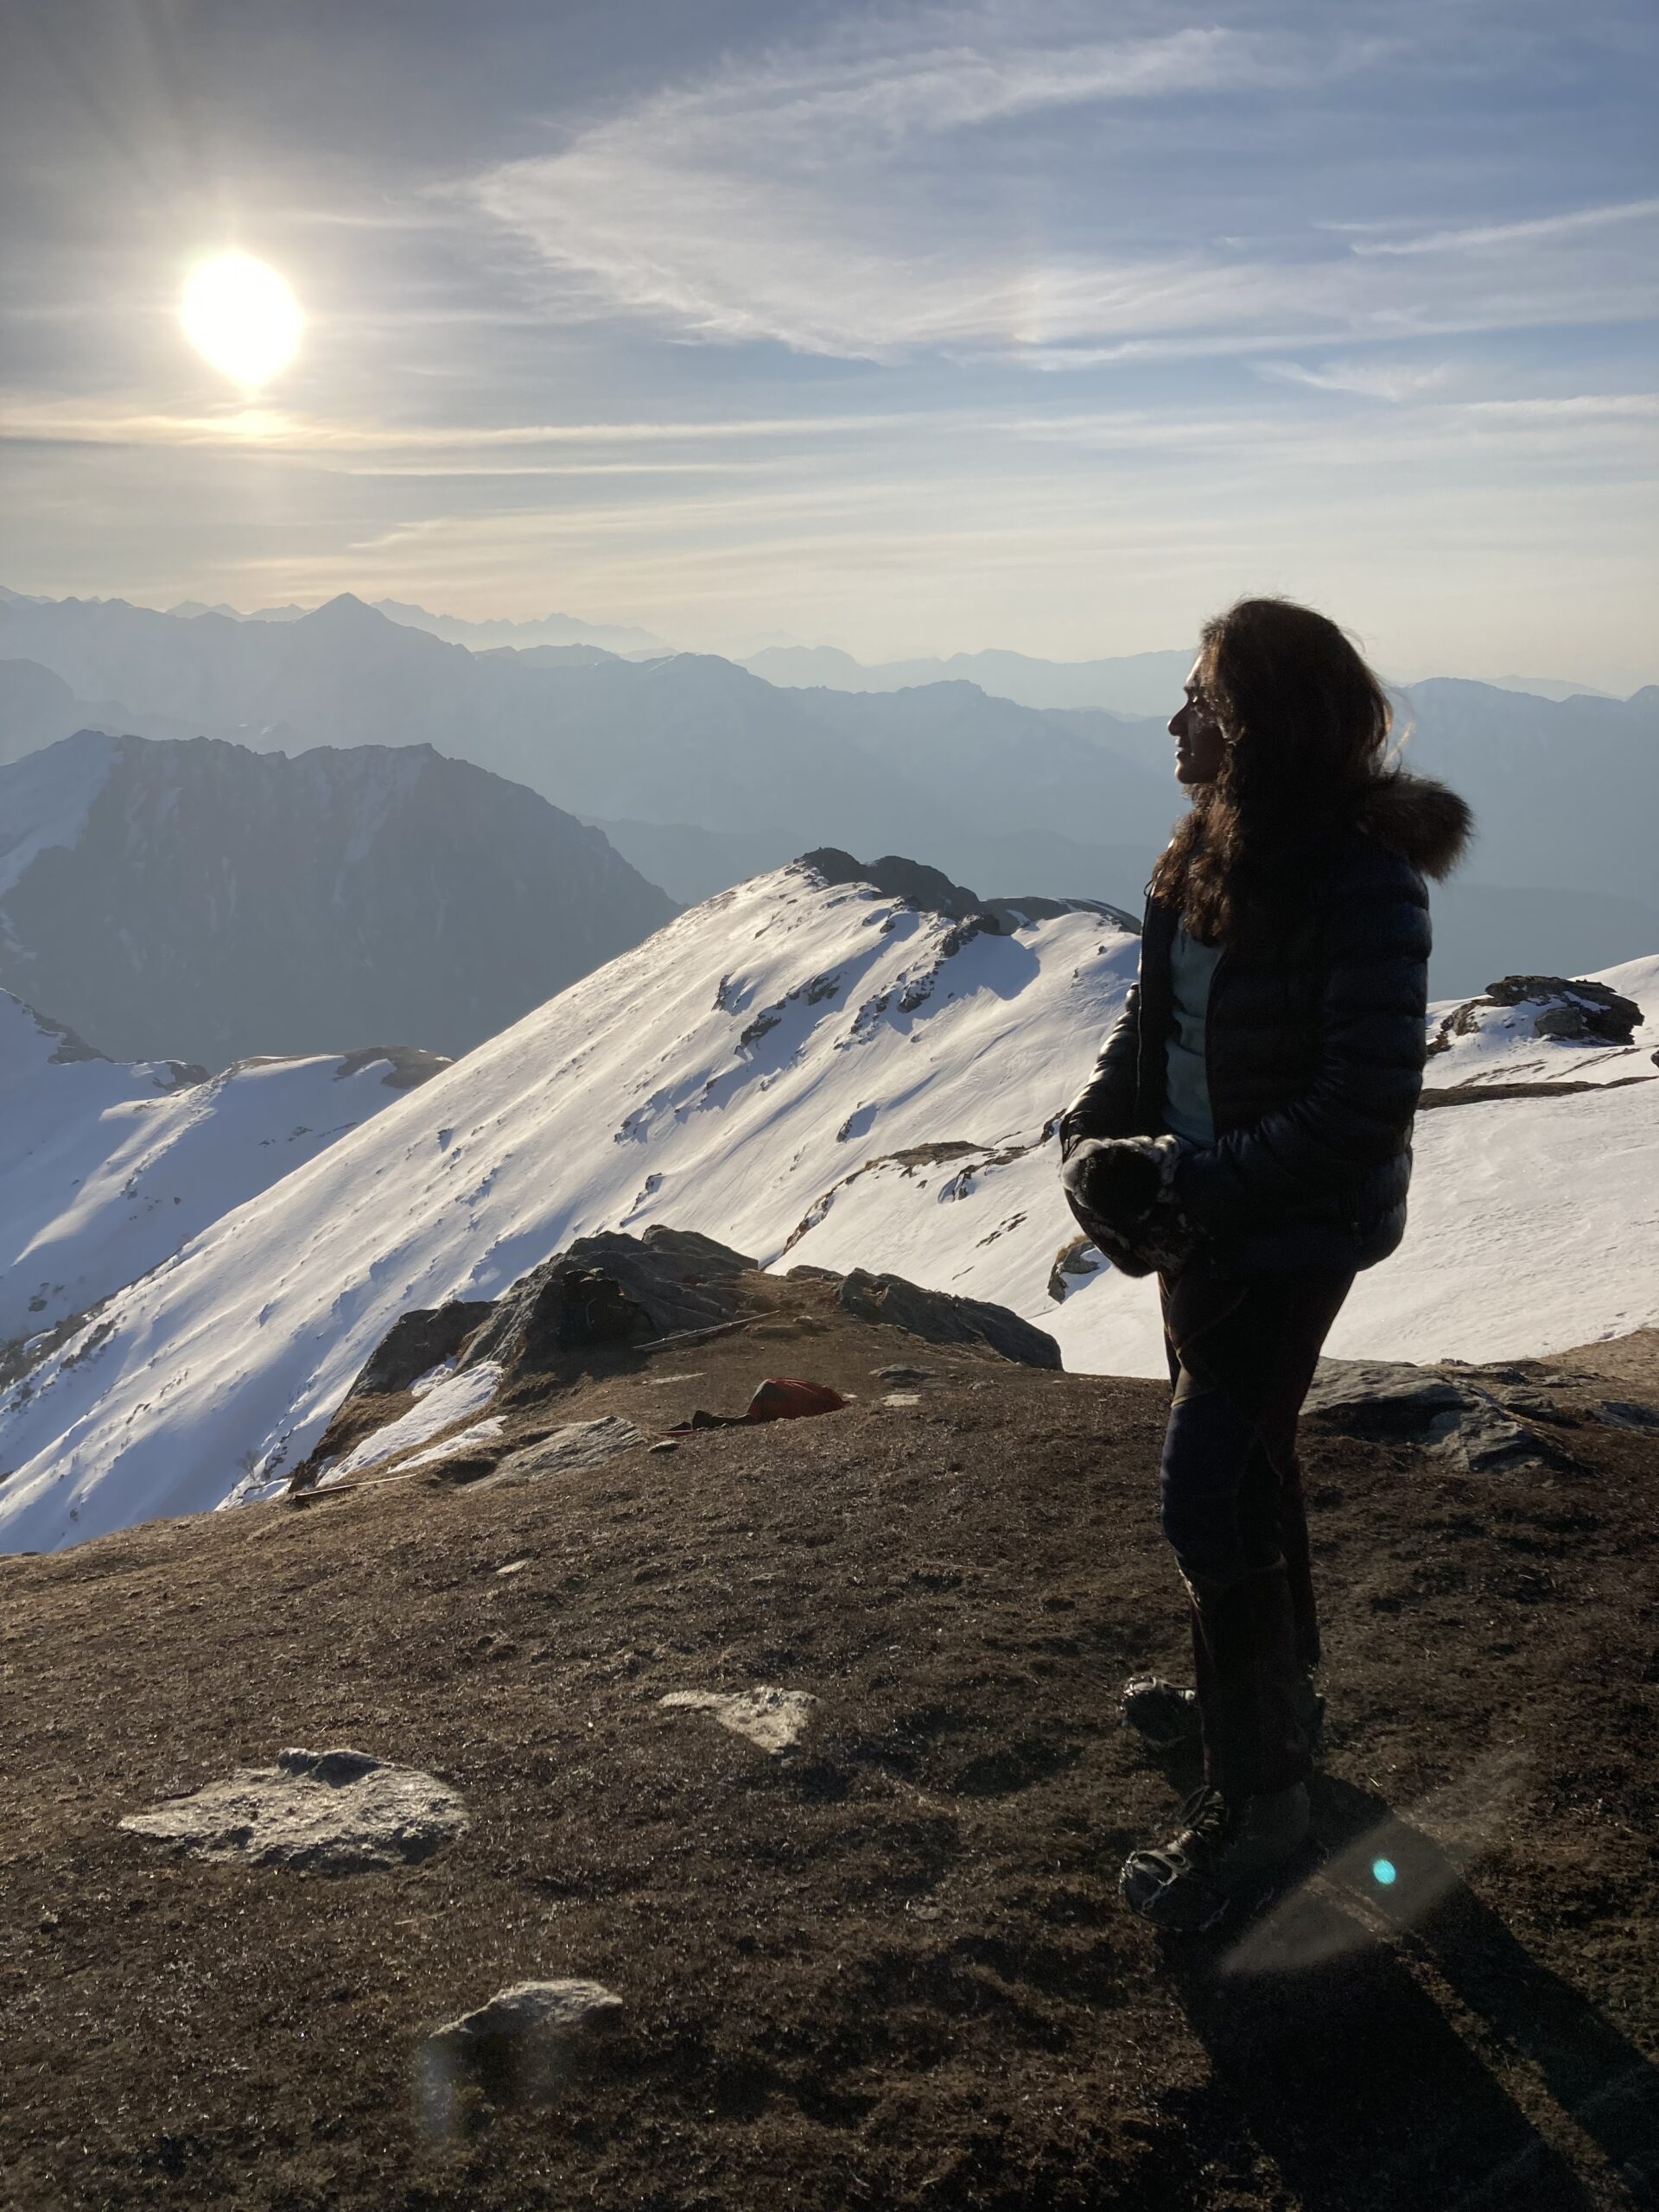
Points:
(1382, 1871)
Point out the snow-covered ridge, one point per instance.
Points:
(703, 1079)
(110, 1167)
(814, 1073)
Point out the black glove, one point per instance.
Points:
(1118, 1182)
(1121, 1196)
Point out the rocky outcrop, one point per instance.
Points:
(416, 1342)
(1073, 1265)
(577, 1445)
(1578, 1012)
(662, 1284)
(928, 889)
(944, 1320)
(603, 1306)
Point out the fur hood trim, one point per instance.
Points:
(1415, 817)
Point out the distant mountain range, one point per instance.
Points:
(554, 630)
(1135, 684)
(701, 772)
(201, 901)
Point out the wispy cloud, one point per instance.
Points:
(808, 198)
(867, 195)
(1380, 379)
(1490, 234)
(27, 421)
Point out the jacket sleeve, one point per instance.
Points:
(1372, 1043)
(1105, 1105)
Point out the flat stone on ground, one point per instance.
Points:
(336, 1812)
(1381, 1397)
(774, 1718)
(1444, 1409)
(580, 1445)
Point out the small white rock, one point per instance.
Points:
(774, 1718)
(516, 2049)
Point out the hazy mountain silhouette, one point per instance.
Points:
(201, 901)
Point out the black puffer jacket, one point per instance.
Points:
(1314, 1045)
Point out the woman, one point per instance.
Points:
(1247, 1132)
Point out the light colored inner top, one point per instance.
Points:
(1186, 1085)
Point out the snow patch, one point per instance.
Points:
(443, 1403)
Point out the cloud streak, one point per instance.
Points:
(1499, 234)
(866, 197)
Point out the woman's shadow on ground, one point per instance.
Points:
(1343, 2067)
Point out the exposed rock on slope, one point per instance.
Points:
(205, 900)
(1527, 1031)
(1522, 1007)
(336, 1812)
(605, 1306)
(930, 891)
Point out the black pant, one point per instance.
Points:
(1241, 1356)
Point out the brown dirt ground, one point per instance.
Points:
(889, 1969)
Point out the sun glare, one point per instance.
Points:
(242, 317)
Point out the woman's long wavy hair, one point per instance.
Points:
(1306, 728)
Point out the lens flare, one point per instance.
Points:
(241, 317)
(1383, 1870)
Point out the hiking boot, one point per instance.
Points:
(1220, 1854)
(1166, 1717)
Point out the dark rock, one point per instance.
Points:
(1389, 1400)
(1453, 1412)
(1572, 1011)
(418, 1342)
(1623, 1413)
(928, 889)
(944, 1320)
(408, 1066)
(1073, 1264)
(661, 1283)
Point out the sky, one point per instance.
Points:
(911, 328)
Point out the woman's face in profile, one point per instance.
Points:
(1199, 744)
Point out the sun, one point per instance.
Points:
(241, 316)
